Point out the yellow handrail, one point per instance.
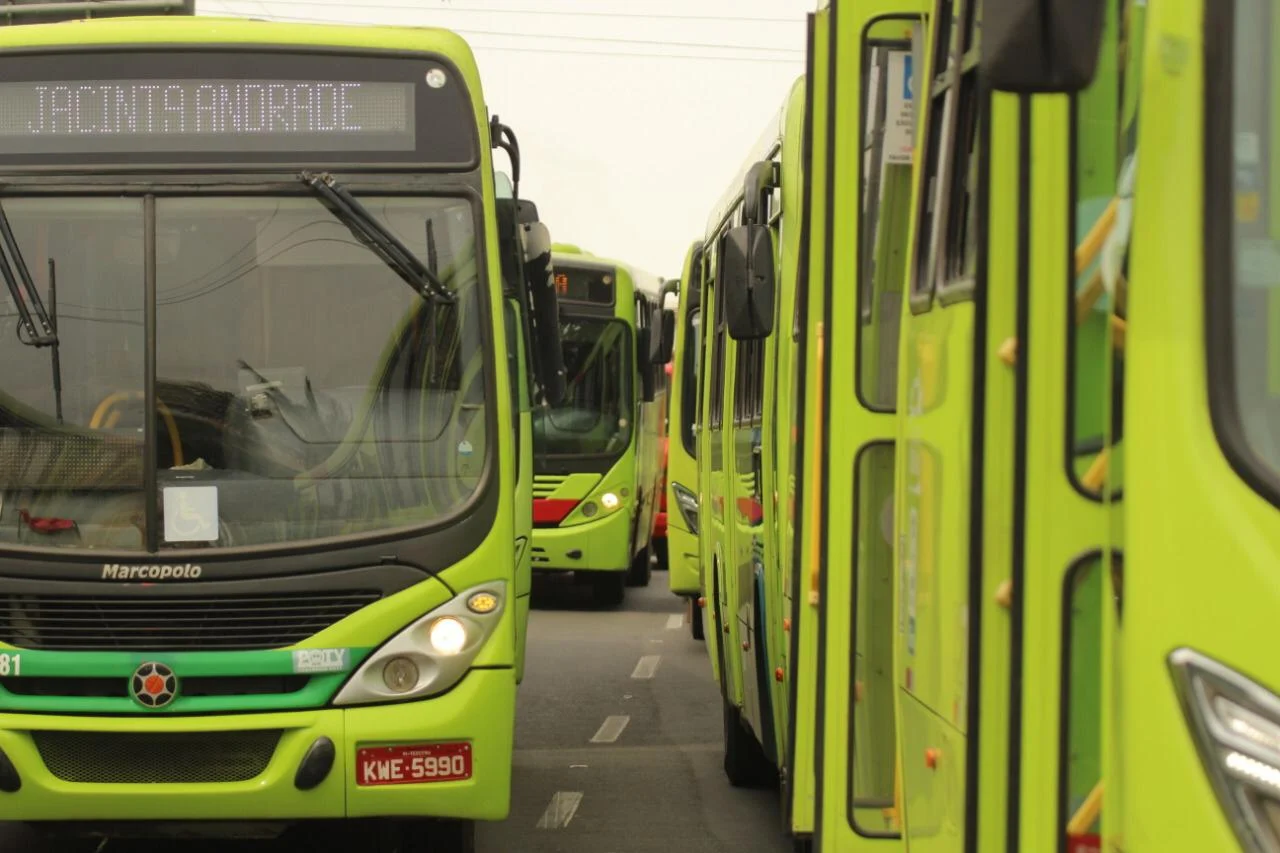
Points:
(1087, 813)
(1093, 242)
(171, 425)
(815, 490)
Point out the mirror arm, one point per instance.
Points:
(504, 137)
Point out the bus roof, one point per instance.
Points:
(170, 30)
(765, 148)
(642, 281)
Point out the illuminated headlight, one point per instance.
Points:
(609, 500)
(687, 503)
(431, 654)
(1236, 723)
(447, 636)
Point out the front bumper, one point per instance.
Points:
(603, 545)
(479, 710)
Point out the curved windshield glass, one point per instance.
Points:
(303, 389)
(594, 418)
(1256, 285)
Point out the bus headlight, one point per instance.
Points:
(687, 502)
(1236, 724)
(447, 636)
(431, 654)
(609, 500)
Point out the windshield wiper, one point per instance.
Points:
(23, 290)
(368, 230)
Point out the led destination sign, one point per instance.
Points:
(206, 115)
(188, 107)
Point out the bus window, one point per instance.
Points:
(1255, 288)
(873, 732)
(886, 208)
(1098, 220)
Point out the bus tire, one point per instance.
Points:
(695, 620)
(745, 763)
(641, 571)
(608, 588)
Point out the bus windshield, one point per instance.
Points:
(594, 419)
(302, 390)
(1256, 285)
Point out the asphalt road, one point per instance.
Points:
(618, 743)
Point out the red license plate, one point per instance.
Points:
(410, 765)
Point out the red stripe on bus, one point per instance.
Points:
(552, 510)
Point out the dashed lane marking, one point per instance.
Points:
(561, 809)
(610, 729)
(647, 666)
(675, 622)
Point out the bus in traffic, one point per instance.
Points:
(264, 408)
(596, 461)
(1037, 399)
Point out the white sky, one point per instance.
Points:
(632, 117)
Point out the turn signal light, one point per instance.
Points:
(482, 602)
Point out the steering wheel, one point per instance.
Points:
(107, 415)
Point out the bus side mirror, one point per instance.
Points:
(662, 336)
(648, 372)
(1041, 46)
(545, 313)
(747, 276)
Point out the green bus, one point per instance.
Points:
(1039, 403)
(596, 453)
(745, 455)
(683, 562)
(263, 427)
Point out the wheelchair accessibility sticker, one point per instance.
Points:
(191, 514)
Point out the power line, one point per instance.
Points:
(631, 41)
(560, 51)
(567, 14)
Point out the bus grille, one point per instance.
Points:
(130, 758)
(172, 624)
(545, 485)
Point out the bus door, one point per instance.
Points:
(944, 427)
(863, 242)
(721, 582)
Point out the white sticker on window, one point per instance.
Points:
(191, 514)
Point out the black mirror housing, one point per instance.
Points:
(544, 307)
(1041, 46)
(747, 275)
(662, 330)
(648, 389)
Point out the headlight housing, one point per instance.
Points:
(431, 654)
(687, 502)
(1236, 723)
